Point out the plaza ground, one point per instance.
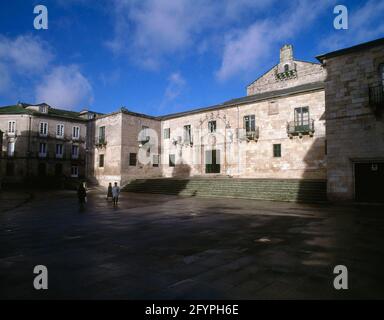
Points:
(170, 247)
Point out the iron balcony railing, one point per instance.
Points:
(100, 141)
(252, 135)
(296, 128)
(376, 96)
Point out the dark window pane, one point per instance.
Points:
(132, 159)
(171, 160)
(277, 150)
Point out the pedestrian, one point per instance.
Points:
(82, 194)
(115, 194)
(109, 192)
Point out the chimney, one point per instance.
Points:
(286, 54)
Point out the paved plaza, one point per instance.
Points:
(169, 247)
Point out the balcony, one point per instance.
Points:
(376, 98)
(252, 135)
(301, 128)
(11, 134)
(100, 142)
(43, 155)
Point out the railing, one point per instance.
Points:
(252, 135)
(11, 133)
(100, 141)
(300, 128)
(376, 96)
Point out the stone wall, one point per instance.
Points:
(27, 142)
(301, 157)
(354, 133)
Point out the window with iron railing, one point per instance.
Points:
(302, 123)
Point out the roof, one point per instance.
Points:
(352, 49)
(52, 112)
(253, 98)
(20, 109)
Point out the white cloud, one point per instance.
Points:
(247, 49)
(149, 30)
(5, 80)
(365, 23)
(175, 85)
(25, 53)
(65, 87)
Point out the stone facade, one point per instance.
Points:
(288, 73)
(121, 139)
(187, 145)
(301, 157)
(355, 130)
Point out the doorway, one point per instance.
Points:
(212, 161)
(369, 181)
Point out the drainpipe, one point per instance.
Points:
(238, 141)
(29, 146)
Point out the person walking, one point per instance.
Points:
(109, 192)
(115, 194)
(82, 194)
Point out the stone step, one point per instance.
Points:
(267, 189)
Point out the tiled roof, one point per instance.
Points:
(20, 109)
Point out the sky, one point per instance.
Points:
(163, 56)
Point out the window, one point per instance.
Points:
(381, 70)
(277, 150)
(172, 161)
(43, 109)
(286, 67)
(212, 126)
(43, 129)
(301, 116)
(11, 149)
(60, 131)
(167, 133)
(249, 123)
(74, 171)
(187, 134)
(156, 160)
(132, 159)
(101, 160)
(75, 151)
(143, 134)
(101, 135)
(12, 126)
(76, 132)
(42, 149)
(59, 150)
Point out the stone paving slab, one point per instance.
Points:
(169, 247)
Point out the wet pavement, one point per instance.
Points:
(169, 247)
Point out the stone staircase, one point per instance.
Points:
(260, 189)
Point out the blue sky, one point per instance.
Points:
(162, 56)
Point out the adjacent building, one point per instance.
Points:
(40, 141)
(354, 99)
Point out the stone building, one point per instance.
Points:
(276, 131)
(354, 99)
(41, 141)
(299, 121)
